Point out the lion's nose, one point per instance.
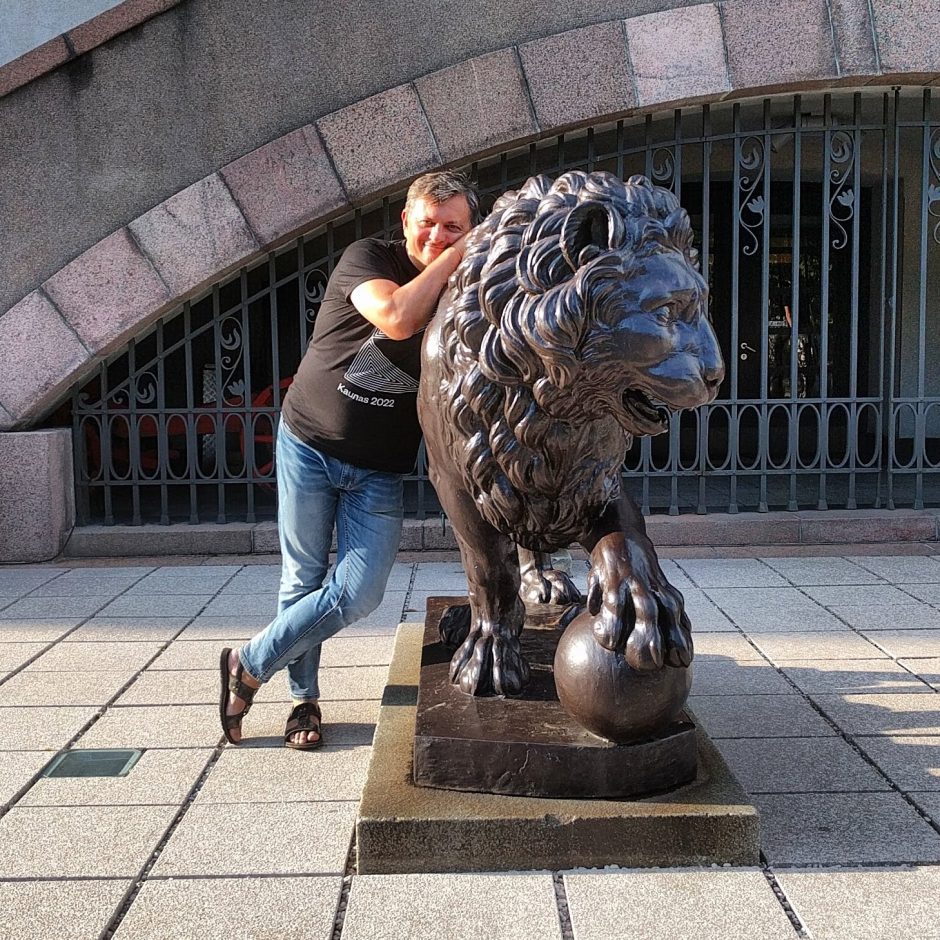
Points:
(713, 368)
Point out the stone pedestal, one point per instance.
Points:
(37, 494)
(406, 828)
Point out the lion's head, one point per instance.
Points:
(577, 318)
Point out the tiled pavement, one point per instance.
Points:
(818, 677)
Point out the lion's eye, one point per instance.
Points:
(665, 314)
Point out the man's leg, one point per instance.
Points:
(368, 523)
(368, 533)
(307, 501)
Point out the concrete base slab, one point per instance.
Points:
(402, 828)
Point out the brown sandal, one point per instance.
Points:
(304, 717)
(231, 684)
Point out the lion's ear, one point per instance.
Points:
(590, 229)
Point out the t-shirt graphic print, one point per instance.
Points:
(374, 370)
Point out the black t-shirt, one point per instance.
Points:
(355, 393)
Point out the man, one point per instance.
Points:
(348, 432)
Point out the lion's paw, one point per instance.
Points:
(454, 625)
(490, 664)
(548, 587)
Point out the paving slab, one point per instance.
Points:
(723, 677)
(166, 687)
(927, 669)
(250, 908)
(98, 583)
(170, 587)
(80, 841)
(18, 580)
(357, 651)
(675, 905)
(171, 726)
(818, 571)
(929, 593)
(158, 778)
(202, 843)
(928, 803)
(98, 568)
(224, 628)
(242, 605)
(144, 605)
(901, 570)
(135, 629)
(705, 616)
(773, 610)
(844, 829)
(731, 572)
(264, 577)
(911, 762)
(799, 765)
(210, 570)
(428, 907)
(61, 688)
(69, 606)
(731, 646)
(286, 776)
(903, 644)
(833, 644)
(14, 655)
(96, 656)
(36, 629)
(852, 675)
(866, 905)
(432, 575)
(912, 616)
(19, 767)
(41, 729)
(193, 654)
(868, 595)
(345, 724)
(896, 713)
(758, 716)
(353, 682)
(66, 910)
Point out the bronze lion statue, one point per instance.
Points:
(576, 320)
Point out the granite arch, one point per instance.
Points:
(740, 48)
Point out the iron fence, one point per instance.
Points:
(818, 223)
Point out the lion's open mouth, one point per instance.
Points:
(650, 418)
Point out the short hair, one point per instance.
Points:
(443, 185)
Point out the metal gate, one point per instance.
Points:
(818, 223)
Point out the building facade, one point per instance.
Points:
(174, 192)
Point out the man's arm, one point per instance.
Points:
(400, 311)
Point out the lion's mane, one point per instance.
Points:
(538, 454)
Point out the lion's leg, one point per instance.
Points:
(637, 610)
(489, 661)
(543, 584)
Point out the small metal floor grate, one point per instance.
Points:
(93, 763)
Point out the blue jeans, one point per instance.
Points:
(315, 492)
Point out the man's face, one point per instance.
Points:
(431, 227)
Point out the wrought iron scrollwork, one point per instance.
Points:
(752, 208)
(663, 167)
(231, 341)
(933, 183)
(314, 289)
(841, 190)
